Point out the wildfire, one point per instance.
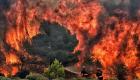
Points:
(122, 48)
(4, 71)
(21, 26)
(81, 21)
(14, 70)
(24, 27)
(112, 41)
(9, 70)
(12, 59)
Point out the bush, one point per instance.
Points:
(4, 78)
(55, 70)
(35, 76)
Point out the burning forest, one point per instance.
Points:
(105, 33)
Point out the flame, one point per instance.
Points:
(121, 48)
(14, 70)
(21, 26)
(9, 70)
(25, 25)
(112, 41)
(81, 21)
(12, 59)
(4, 71)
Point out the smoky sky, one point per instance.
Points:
(4, 4)
(132, 6)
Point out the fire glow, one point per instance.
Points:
(12, 59)
(119, 44)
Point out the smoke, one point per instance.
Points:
(130, 6)
(4, 6)
(134, 8)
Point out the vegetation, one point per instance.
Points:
(4, 78)
(54, 42)
(63, 56)
(55, 70)
(35, 76)
(59, 78)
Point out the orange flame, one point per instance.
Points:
(119, 43)
(14, 70)
(120, 49)
(12, 59)
(9, 70)
(81, 21)
(4, 71)
(25, 25)
(21, 26)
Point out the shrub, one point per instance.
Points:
(4, 78)
(55, 70)
(35, 76)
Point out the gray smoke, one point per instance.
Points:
(131, 6)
